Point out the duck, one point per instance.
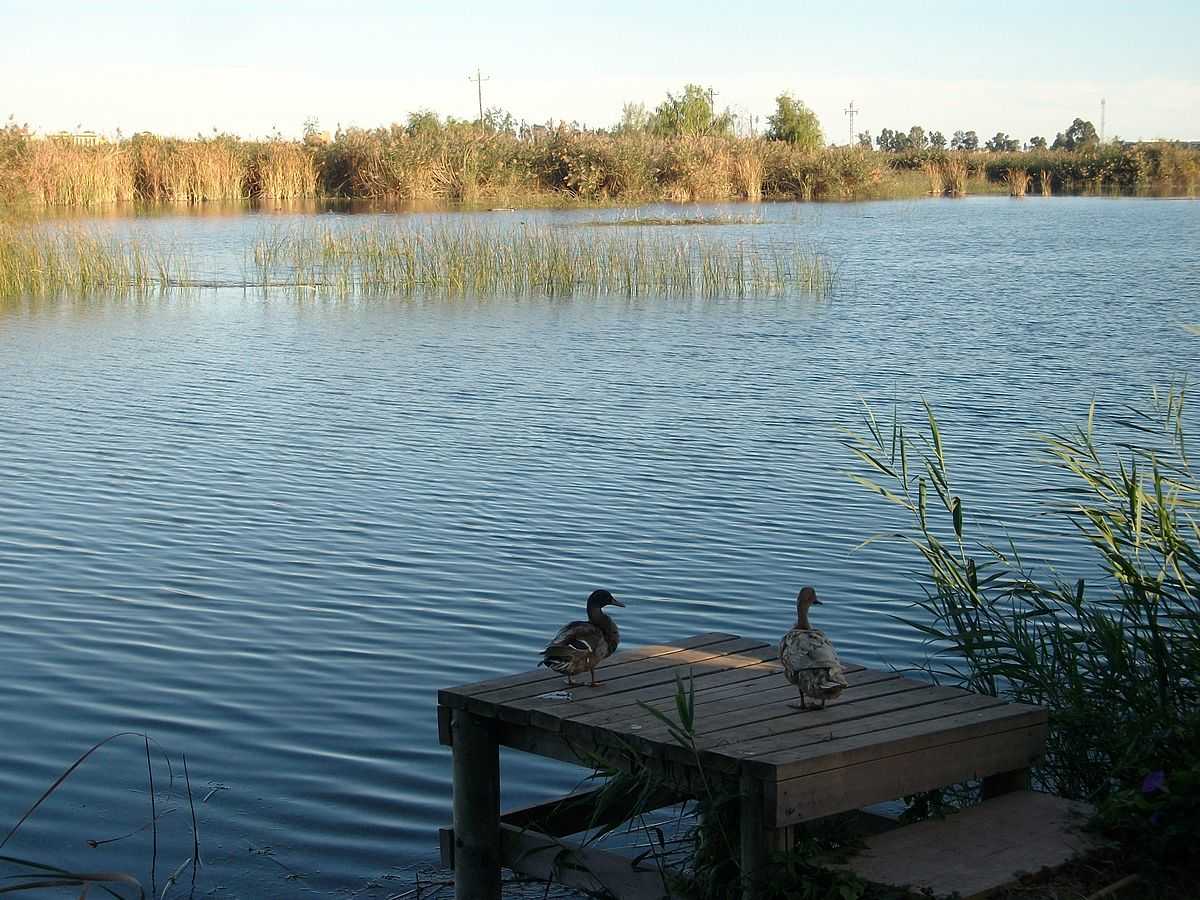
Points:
(809, 660)
(580, 646)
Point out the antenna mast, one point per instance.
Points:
(852, 112)
(479, 79)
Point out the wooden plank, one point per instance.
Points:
(974, 852)
(580, 811)
(621, 701)
(452, 696)
(587, 751)
(774, 702)
(620, 691)
(779, 758)
(584, 868)
(507, 702)
(794, 733)
(804, 729)
(919, 769)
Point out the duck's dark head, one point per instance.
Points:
(599, 599)
(806, 598)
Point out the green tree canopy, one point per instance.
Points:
(937, 140)
(689, 113)
(1002, 142)
(1081, 133)
(917, 139)
(1037, 143)
(964, 140)
(795, 123)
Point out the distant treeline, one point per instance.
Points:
(430, 159)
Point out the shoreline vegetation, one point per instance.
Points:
(400, 260)
(468, 162)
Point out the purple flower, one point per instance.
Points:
(1154, 781)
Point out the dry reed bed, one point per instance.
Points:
(432, 261)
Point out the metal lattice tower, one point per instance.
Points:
(852, 112)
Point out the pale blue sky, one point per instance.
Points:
(1020, 67)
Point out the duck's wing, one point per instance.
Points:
(581, 636)
(801, 651)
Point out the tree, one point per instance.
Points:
(864, 139)
(1037, 143)
(884, 141)
(634, 119)
(964, 140)
(795, 123)
(917, 139)
(1002, 143)
(422, 122)
(689, 113)
(1080, 134)
(937, 140)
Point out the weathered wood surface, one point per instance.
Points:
(886, 736)
(978, 850)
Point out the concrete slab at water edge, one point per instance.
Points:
(979, 850)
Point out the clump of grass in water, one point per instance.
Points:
(663, 221)
(39, 262)
(529, 261)
(1017, 181)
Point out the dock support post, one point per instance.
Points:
(1005, 783)
(476, 808)
(755, 841)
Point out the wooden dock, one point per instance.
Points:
(885, 737)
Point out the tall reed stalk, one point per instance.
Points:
(1116, 658)
(1044, 181)
(1017, 181)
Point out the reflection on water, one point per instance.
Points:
(266, 530)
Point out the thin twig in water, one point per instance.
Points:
(195, 828)
(154, 823)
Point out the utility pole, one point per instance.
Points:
(852, 112)
(712, 106)
(1102, 120)
(479, 79)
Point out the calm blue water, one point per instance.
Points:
(266, 530)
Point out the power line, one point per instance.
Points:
(851, 112)
(479, 79)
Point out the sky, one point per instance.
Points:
(255, 68)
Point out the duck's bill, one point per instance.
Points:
(617, 602)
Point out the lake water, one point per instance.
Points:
(265, 530)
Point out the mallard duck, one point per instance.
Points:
(809, 660)
(580, 646)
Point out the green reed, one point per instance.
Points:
(39, 262)
(1115, 658)
(484, 261)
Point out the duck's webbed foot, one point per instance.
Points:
(800, 706)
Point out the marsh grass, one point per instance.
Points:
(1017, 182)
(937, 182)
(1116, 659)
(403, 261)
(40, 262)
(666, 221)
(488, 262)
(1045, 182)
